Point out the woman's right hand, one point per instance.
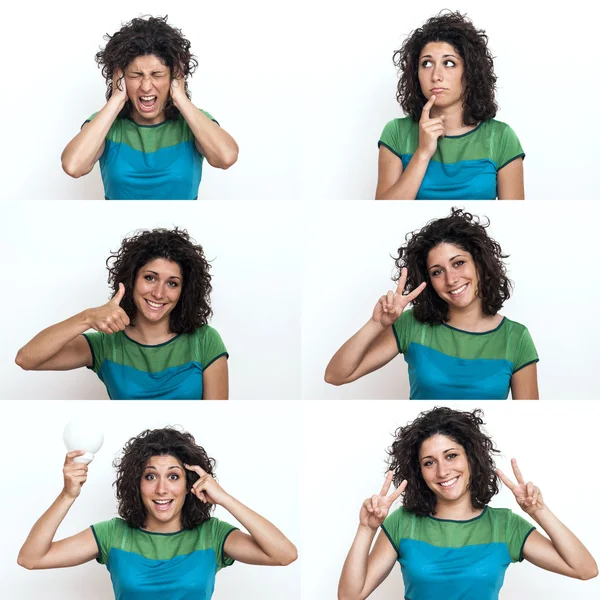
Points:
(391, 306)
(110, 317)
(74, 474)
(119, 89)
(430, 130)
(375, 509)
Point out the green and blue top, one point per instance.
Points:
(169, 371)
(445, 363)
(464, 167)
(151, 162)
(456, 560)
(162, 566)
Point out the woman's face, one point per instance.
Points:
(148, 82)
(453, 275)
(157, 289)
(163, 489)
(445, 468)
(441, 74)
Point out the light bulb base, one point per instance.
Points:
(84, 459)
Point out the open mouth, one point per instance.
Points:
(459, 291)
(154, 305)
(162, 505)
(448, 484)
(147, 103)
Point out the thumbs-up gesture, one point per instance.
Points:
(110, 317)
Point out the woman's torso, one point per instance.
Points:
(445, 363)
(464, 167)
(169, 371)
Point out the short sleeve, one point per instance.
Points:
(402, 330)
(209, 116)
(211, 346)
(104, 534)
(96, 341)
(390, 137)
(526, 353)
(220, 531)
(517, 532)
(392, 527)
(509, 147)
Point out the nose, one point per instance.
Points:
(451, 278)
(442, 471)
(158, 291)
(437, 73)
(146, 83)
(161, 486)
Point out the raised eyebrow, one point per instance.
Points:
(455, 257)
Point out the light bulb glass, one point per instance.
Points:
(83, 434)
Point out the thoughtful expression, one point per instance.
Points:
(441, 74)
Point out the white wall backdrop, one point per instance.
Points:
(344, 463)
(258, 464)
(305, 89)
(54, 254)
(347, 267)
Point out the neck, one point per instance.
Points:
(150, 333)
(457, 510)
(158, 527)
(470, 318)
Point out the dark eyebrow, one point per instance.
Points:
(155, 273)
(443, 56)
(171, 467)
(424, 457)
(440, 266)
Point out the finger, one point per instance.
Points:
(505, 480)
(376, 504)
(116, 299)
(536, 494)
(398, 491)
(196, 469)
(426, 109)
(439, 122)
(410, 297)
(402, 280)
(389, 299)
(72, 454)
(517, 471)
(529, 491)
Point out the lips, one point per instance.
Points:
(156, 306)
(147, 103)
(438, 90)
(459, 291)
(162, 505)
(448, 483)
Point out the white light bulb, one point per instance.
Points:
(83, 434)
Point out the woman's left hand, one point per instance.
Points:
(206, 489)
(178, 89)
(528, 495)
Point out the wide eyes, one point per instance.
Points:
(152, 476)
(426, 64)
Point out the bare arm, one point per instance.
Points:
(265, 545)
(212, 141)
(61, 347)
(215, 380)
(524, 384)
(86, 148)
(39, 550)
(510, 181)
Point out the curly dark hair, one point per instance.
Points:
(130, 468)
(466, 231)
(464, 428)
(140, 37)
(479, 79)
(193, 309)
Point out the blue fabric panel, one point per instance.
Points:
(185, 577)
(437, 376)
(464, 180)
(468, 573)
(175, 383)
(172, 173)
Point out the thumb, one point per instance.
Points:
(119, 295)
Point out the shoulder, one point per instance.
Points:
(400, 126)
(514, 327)
(205, 332)
(500, 130)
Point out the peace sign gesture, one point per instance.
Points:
(391, 306)
(206, 489)
(375, 509)
(528, 496)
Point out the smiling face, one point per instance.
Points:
(441, 74)
(163, 489)
(453, 275)
(148, 82)
(445, 468)
(157, 289)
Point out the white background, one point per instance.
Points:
(258, 465)
(344, 463)
(305, 89)
(54, 256)
(347, 267)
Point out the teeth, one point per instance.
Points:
(162, 501)
(448, 483)
(154, 304)
(459, 290)
(147, 98)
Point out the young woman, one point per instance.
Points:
(455, 342)
(165, 543)
(448, 541)
(149, 138)
(151, 340)
(449, 146)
